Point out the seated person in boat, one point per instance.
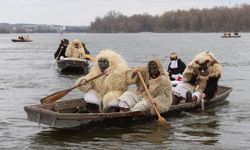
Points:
(227, 34)
(27, 38)
(106, 89)
(21, 38)
(200, 79)
(60, 52)
(76, 51)
(175, 67)
(159, 86)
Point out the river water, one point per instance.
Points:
(26, 76)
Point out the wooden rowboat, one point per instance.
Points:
(69, 66)
(18, 40)
(79, 114)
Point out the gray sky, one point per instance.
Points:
(82, 12)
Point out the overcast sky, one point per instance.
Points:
(82, 12)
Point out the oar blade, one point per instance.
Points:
(90, 57)
(161, 120)
(54, 97)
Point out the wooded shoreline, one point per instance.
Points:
(217, 19)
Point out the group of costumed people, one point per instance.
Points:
(111, 93)
(72, 50)
(199, 79)
(24, 38)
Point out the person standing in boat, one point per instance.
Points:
(175, 67)
(105, 90)
(60, 52)
(159, 86)
(200, 79)
(85, 48)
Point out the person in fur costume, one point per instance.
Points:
(76, 50)
(106, 89)
(200, 78)
(159, 86)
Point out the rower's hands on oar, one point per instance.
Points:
(203, 95)
(107, 71)
(153, 101)
(83, 82)
(134, 72)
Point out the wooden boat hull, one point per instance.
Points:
(73, 66)
(18, 40)
(66, 114)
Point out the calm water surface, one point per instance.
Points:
(26, 76)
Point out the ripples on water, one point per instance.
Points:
(26, 76)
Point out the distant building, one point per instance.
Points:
(40, 28)
(56, 28)
(30, 27)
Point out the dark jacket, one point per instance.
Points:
(179, 70)
(61, 49)
(85, 49)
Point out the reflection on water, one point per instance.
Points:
(151, 133)
(26, 76)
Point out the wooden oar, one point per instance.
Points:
(202, 102)
(57, 58)
(89, 57)
(58, 95)
(160, 118)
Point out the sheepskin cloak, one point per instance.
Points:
(109, 87)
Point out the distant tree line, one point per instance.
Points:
(217, 19)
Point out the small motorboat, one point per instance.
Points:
(228, 35)
(23, 38)
(19, 40)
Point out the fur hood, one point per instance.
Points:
(160, 88)
(214, 66)
(109, 87)
(145, 75)
(160, 67)
(116, 63)
(74, 42)
(214, 69)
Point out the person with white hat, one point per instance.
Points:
(176, 67)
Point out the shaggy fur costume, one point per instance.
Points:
(205, 84)
(109, 87)
(74, 52)
(160, 88)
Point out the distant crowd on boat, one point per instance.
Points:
(24, 37)
(229, 35)
(72, 50)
